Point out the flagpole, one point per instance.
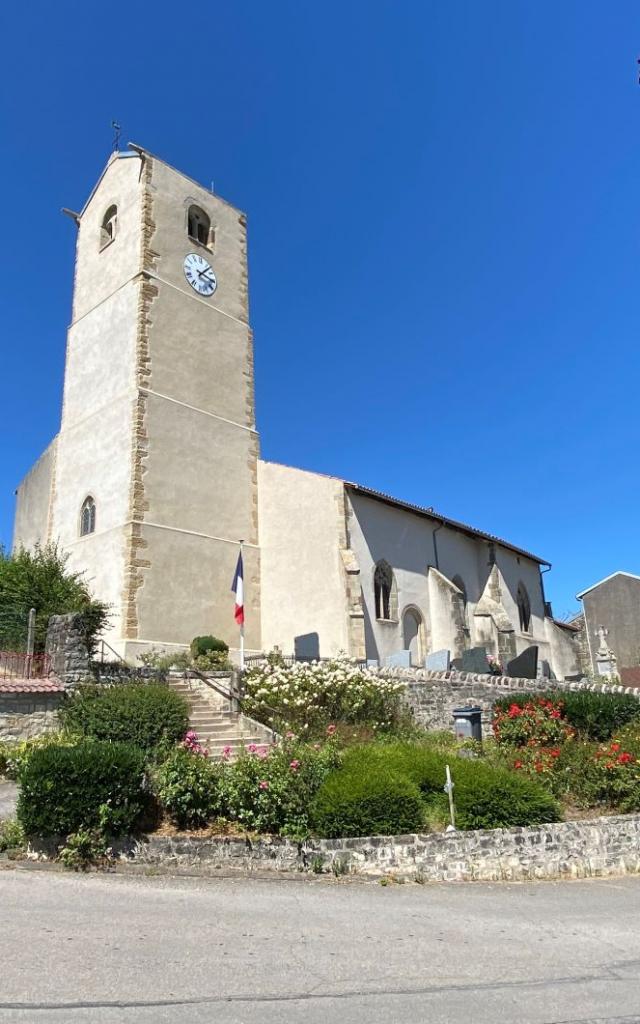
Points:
(242, 623)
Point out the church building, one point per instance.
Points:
(155, 474)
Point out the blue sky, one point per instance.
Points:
(443, 226)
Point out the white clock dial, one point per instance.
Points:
(199, 274)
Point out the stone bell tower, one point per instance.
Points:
(154, 471)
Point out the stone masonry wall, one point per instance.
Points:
(574, 849)
(432, 696)
(24, 715)
(67, 648)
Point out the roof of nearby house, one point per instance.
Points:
(567, 625)
(593, 586)
(429, 513)
(31, 686)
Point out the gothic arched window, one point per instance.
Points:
(385, 593)
(109, 226)
(199, 226)
(524, 608)
(87, 516)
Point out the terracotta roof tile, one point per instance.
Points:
(31, 686)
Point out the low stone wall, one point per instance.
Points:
(576, 849)
(432, 696)
(25, 715)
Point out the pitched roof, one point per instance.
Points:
(593, 586)
(430, 513)
(31, 686)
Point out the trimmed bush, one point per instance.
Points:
(149, 715)
(382, 802)
(489, 797)
(189, 788)
(594, 716)
(90, 785)
(208, 644)
(486, 796)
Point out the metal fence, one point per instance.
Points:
(18, 665)
(292, 659)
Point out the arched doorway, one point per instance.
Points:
(413, 635)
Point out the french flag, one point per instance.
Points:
(237, 587)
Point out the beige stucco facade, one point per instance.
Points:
(158, 429)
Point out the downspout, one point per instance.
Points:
(435, 544)
(544, 596)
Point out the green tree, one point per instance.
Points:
(40, 579)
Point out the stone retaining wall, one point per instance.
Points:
(432, 696)
(576, 849)
(25, 715)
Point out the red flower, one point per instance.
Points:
(517, 764)
(624, 758)
(615, 747)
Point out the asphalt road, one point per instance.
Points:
(114, 950)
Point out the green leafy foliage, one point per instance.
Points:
(11, 835)
(381, 802)
(308, 696)
(40, 579)
(207, 644)
(189, 788)
(594, 716)
(13, 756)
(486, 795)
(270, 789)
(92, 784)
(149, 715)
(84, 849)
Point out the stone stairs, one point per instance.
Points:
(212, 719)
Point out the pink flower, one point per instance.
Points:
(295, 764)
(252, 748)
(262, 752)
(330, 730)
(290, 735)
(263, 785)
(226, 752)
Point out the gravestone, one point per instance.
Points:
(401, 659)
(475, 660)
(525, 666)
(307, 646)
(605, 668)
(438, 661)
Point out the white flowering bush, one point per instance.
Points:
(307, 696)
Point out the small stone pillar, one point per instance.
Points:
(66, 646)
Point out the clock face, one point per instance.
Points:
(199, 274)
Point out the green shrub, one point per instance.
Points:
(84, 849)
(307, 697)
(148, 715)
(488, 797)
(594, 715)
(270, 789)
(13, 756)
(11, 835)
(93, 784)
(381, 802)
(188, 787)
(206, 644)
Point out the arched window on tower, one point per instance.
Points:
(109, 226)
(87, 516)
(524, 608)
(385, 592)
(199, 227)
